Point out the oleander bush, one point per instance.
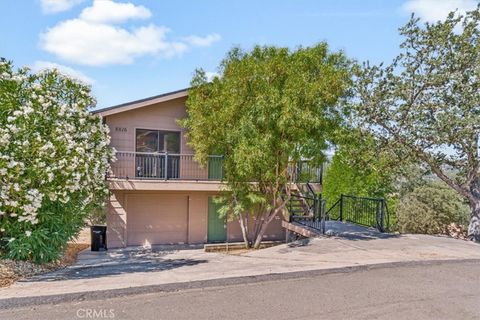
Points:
(53, 158)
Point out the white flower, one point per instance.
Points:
(28, 233)
(61, 143)
(12, 164)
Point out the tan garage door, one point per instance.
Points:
(156, 219)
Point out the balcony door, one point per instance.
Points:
(154, 148)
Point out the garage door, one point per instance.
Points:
(156, 219)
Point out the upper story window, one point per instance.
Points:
(157, 141)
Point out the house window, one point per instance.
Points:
(157, 141)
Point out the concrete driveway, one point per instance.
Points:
(91, 265)
(138, 267)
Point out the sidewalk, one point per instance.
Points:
(126, 268)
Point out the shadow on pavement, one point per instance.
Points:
(115, 262)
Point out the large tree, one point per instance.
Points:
(267, 109)
(427, 102)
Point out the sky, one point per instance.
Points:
(132, 49)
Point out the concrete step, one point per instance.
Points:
(301, 229)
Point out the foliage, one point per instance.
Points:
(360, 167)
(268, 108)
(431, 209)
(426, 103)
(343, 178)
(98, 215)
(53, 158)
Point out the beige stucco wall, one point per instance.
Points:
(119, 211)
(274, 231)
(198, 217)
(116, 220)
(160, 116)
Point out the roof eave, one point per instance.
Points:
(141, 103)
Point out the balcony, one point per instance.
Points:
(167, 167)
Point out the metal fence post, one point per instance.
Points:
(221, 163)
(166, 166)
(383, 216)
(322, 216)
(379, 215)
(341, 207)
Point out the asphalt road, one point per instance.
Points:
(439, 291)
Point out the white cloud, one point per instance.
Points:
(112, 12)
(88, 43)
(42, 65)
(94, 38)
(434, 10)
(55, 6)
(203, 41)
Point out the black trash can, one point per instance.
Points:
(98, 238)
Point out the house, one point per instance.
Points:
(158, 193)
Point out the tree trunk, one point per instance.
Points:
(474, 225)
(267, 218)
(260, 234)
(265, 222)
(244, 227)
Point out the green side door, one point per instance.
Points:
(217, 228)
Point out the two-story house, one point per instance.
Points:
(158, 193)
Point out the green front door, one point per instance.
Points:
(217, 229)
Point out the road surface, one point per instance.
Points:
(445, 290)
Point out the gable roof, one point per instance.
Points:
(141, 103)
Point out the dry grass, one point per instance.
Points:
(70, 255)
(11, 271)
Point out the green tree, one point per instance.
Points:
(53, 158)
(268, 108)
(344, 176)
(426, 103)
(430, 209)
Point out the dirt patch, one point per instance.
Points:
(84, 236)
(11, 271)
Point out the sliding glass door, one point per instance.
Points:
(154, 148)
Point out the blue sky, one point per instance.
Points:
(133, 49)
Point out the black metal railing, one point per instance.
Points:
(170, 166)
(369, 212)
(315, 218)
(305, 171)
(165, 166)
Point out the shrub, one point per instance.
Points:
(53, 158)
(430, 209)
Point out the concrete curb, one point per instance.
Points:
(11, 303)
